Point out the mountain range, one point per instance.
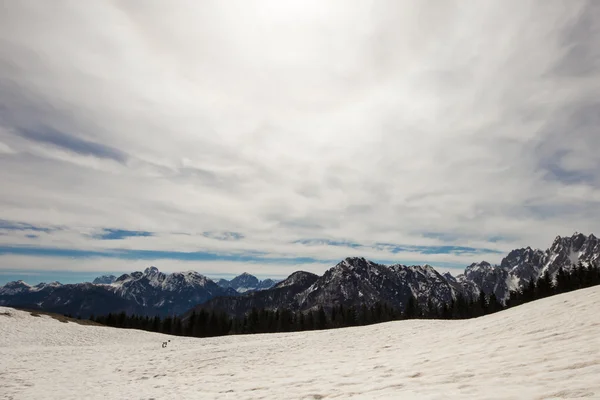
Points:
(352, 282)
(357, 281)
(150, 292)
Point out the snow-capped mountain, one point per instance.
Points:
(104, 280)
(522, 265)
(246, 283)
(14, 288)
(150, 292)
(168, 293)
(357, 281)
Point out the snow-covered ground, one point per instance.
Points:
(548, 349)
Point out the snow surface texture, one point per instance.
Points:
(549, 349)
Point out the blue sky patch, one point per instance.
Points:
(21, 226)
(396, 248)
(328, 242)
(117, 234)
(224, 235)
(126, 254)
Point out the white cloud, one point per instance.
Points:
(372, 122)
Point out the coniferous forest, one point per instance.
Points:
(212, 323)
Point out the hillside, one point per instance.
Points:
(547, 349)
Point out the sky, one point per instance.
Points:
(282, 135)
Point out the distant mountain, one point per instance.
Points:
(14, 288)
(104, 280)
(147, 293)
(246, 283)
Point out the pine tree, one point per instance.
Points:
(494, 305)
(321, 318)
(167, 325)
(301, 321)
(482, 304)
(310, 321)
(411, 308)
(562, 281)
(189, 328)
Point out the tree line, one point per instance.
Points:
(207, 323)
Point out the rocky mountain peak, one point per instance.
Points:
(15, 287)
(478, 267)
(245, 279)
(577, 241)
(151, 271)
(246, 282)
(355, 262)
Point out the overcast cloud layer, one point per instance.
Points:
(290, 134)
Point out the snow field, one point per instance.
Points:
(549, 349)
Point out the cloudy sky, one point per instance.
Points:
(277, 135)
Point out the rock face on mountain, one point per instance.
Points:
(282, 296)
(246, 283)
(147, 293)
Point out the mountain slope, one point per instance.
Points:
(548, 349)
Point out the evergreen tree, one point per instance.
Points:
(310, 321)
(321, 318)
(411, 308)
(494, 305)
(301, 322)
(189, 328)
(562, 281)
(482, 308)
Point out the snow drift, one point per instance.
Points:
(548, 349)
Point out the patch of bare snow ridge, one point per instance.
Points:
(548, 349)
